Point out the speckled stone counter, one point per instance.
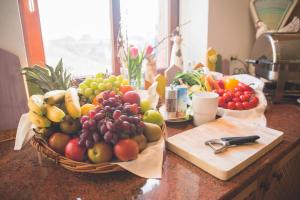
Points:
(21, 176)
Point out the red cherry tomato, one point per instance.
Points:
(227, 97)
(242, 98)
(246, 105)
(244, 87)
(235, 99)
(248, 88)
(231, 105)
(221, 84)
(236, 89)
(245, 97)
(253, 101)
(220, 92)
(248, 92)
(231, 94)
(238, 94)
(222, 101)
(240, 88)
(239, 106)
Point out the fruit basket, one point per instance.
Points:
(96, 126)
(42, 147)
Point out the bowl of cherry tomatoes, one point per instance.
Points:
(240, 97)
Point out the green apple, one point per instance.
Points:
(100, 152)
(153, 116)
(145, 105)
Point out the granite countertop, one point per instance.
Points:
(21, 176)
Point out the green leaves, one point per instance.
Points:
(47, 78)
(189, 78)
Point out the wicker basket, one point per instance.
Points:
(42, 147)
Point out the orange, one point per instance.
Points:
(95, 100)
(126, 88)
(86, 108)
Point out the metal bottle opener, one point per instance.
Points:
(220, 145)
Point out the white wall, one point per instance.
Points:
(225, 25)
(11, 34)
(230, 28)
(194, 34)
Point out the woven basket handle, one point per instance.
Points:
(41, 146)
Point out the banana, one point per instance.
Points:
(36, 104)
(54, 113)
(54, 96)
(72, 103)
(38, 120)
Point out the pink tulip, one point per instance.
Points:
(149, 50)
(134, 52)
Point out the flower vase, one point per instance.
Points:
(135, 76)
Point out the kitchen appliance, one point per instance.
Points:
(275, 58)
(220, 145)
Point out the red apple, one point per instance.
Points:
(126, 150)
(74, 151)
(131, 97)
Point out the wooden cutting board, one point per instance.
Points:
(190, 146)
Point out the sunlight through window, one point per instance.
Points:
(78, 32)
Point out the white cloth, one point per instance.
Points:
(149, 162)
(24, 132)
(256, 115)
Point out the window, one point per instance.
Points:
(79, 32)
(141, 23)
(84, 33)
(145, 22)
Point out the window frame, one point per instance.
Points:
(32, 33)
(34, 42)
(115, 17)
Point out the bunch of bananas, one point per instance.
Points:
(45, 109)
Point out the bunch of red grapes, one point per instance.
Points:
(114, 120)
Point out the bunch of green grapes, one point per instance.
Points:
(91, 87)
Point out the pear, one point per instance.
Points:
(58, 142)
(141, 140)
(152, 132)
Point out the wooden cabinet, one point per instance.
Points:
(279, 181)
